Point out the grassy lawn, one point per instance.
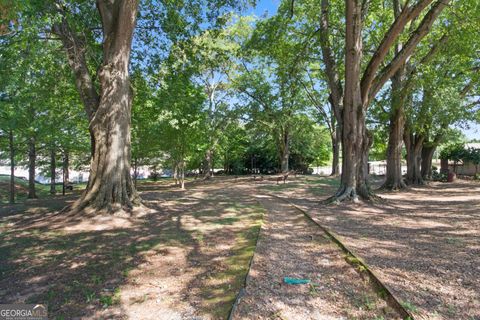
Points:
(21, 189)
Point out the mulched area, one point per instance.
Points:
(290, 245)
(424, 243)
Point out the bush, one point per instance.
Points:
(154, 175)
(438, 176)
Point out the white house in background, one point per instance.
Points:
(474, 145)
(75, 176)
(21, 172)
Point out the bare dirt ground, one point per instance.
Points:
(290, 245)
(185, 260)
(424, 243)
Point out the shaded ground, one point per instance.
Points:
(188, 257)
(21, 189)
(290, 245)
(185, 260)
(424, 243)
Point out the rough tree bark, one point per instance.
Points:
(53, 172)
(32, 158)
(413, 145)
(428, 150)
(355, 141)
(360, 89)
(207, 164)
(110, 186)
(11, 147)
(427, 158)
(393, 174)
(401, 84)
(135, 171)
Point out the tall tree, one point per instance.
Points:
(357, 71)
(212, 53)
(362, 87)
(110, 186)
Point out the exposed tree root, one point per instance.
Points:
(354, 195)
(416, 182)
(91, 203)
(394, 186)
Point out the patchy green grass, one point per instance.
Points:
(218, 299)
(77, 274)
(409, 306)
(21, 189)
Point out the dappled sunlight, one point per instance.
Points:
(186, 257)
(423, 243)
(291, 246)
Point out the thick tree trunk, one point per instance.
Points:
(355, 139)
(53, 172)
(12, 167)
(414, 144)
(427, 158)
(393, 176)
(110, 186)
(336, 137)
(32, 158)
(355, 146)
(207, 164)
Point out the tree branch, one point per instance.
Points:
(75, 49)
(331, 69)
(405, 53)
(404, 17)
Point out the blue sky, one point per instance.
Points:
(263, 6)
(473, 132)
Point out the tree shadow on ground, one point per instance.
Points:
(424, 241)
(87, 273)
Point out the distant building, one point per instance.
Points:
(464, 168)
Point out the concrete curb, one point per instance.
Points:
(390, 298)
